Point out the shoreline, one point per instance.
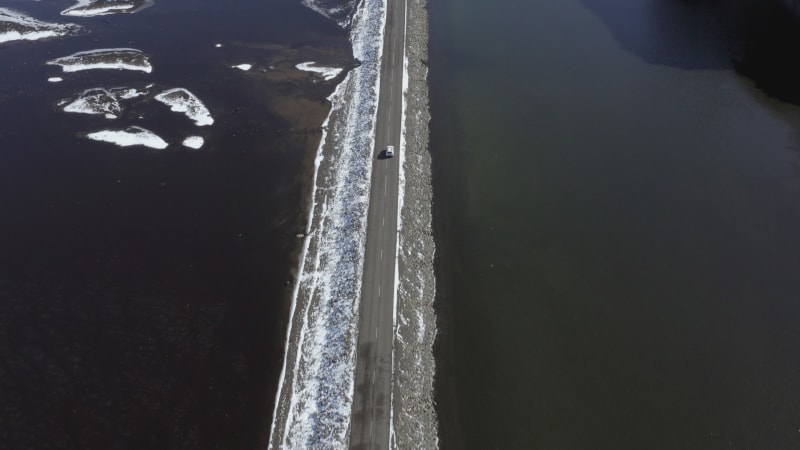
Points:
(315, 391)
(312, 405)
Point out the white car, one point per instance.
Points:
(389, 151)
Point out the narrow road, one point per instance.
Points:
(369, 427)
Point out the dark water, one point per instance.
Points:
(617, 215)
(142, 295)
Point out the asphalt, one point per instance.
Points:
(369, 428)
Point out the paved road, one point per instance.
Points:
(369, 427)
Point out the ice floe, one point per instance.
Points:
(95, 101)
(55, 79)
(100, 101)
(130, 136)
(194, 142)
(90, 8)
(217, 45)
(244, 67)
(127, 93)
(181, 100)
(105, 58)
(328, 73)
(16, 26)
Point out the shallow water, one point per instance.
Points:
(142, 295)
(616, 213)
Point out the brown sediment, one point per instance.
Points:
(414, 416)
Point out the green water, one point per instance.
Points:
(618, 223)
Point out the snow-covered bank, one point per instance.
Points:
(315, 394)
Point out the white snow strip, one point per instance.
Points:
(55, 79)
(181, 100)
(244, 67)
(106, 58)
(194, 142)
(328, 73)
(129, 137)
(91, 8)
(316, 401)
(16, 26)
(9, 36)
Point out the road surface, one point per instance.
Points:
(369, 428)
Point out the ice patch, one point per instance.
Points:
(101, 101)
(106, 58)
(130, 136)
(244, 67)
(217, 45)
(194, 142)
(90, 8)
(328, 73)
(55, 79)
(95, 101)
(181, 100)
(16, 26)
(127, 93)
(337, 10)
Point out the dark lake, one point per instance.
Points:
(617, 211)
(143, 292)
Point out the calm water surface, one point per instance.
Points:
(142, 296)
(617, 214)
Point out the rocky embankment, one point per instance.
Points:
(414, 417)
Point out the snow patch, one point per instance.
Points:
(194, 142)
(96, 101)
(100, 101)
(106, 58)
(16, 26)
(328, 73)
(91, 8)
(244, 67)
(181, 100)
(337, 10)
(55, 79)
(130, 136)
